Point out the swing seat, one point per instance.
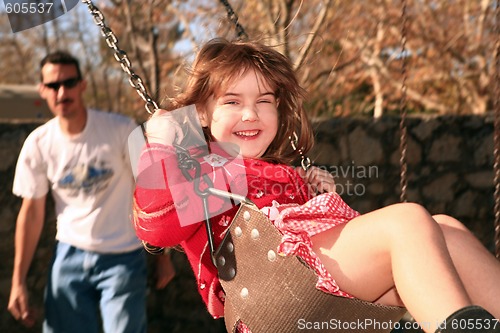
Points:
(275, 294)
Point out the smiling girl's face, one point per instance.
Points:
(245, 115)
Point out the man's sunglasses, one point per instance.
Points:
(69, 83)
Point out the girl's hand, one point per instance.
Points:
(318, 180)
(165, 270)
(163, 128)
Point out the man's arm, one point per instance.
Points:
(28, 230)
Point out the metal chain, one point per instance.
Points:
(121, 56)
(496, 137)
(231, 14)
(403, 144)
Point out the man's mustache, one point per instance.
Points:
(65, 100)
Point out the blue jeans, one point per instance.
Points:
(82, 284)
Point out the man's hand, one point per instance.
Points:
(318, 180)
(165, 270)
(19, 305)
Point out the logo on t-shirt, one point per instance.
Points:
(87, 178)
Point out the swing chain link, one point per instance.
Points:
(233, 17)
(403, 144)
(121, 56)
(496, 131)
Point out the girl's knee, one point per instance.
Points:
(409, 213)
(448, 221)
(411, 219)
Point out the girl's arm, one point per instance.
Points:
(155, 211)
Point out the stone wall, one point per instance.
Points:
(450, 165)
(449, 171)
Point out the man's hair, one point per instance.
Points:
(60, 58)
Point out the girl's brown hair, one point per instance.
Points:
(220, 62)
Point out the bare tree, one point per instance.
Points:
(354, 65)
(348, 54)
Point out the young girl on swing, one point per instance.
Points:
(247, 94)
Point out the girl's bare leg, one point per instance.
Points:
(477, 268)
(398, 246)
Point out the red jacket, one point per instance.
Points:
(160, 223)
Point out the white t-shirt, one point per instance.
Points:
(90, 178)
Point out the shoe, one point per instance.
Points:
(471, 319)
